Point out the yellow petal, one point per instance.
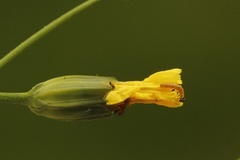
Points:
(169, 76)
(121, 92)
(162, 88)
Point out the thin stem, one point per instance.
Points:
(14, 98)
(44, 31)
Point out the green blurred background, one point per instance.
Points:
(127, 39)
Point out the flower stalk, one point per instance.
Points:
(44, 31)
(14, 98)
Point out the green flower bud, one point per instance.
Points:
(71, 98)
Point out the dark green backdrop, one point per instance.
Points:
(128, 39)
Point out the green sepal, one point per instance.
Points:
(71, 98)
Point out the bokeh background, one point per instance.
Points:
(127, 39)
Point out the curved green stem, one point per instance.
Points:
(35, 37)
(14, 98)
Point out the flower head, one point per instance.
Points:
(71, 98)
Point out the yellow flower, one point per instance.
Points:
(77, 97)
(162, 88)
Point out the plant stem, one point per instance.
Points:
(44, 31)
(14, 98)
